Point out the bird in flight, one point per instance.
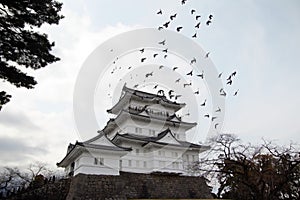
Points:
(219, 76)
(207, 115)
(177, 96)
(235, 93)
(207, 54)
(162, 42)
(203, 104)
(198, 25)
(165, 56)
(197, 92)
(190, 73)
(229, 82)
(197, 17)
(149, 74)
(160, 28)
(143, 59)
(222, 92)
(229, 78)
(135, 86)
(193, 11)
(210, 16)
(201, 75)
(216, 125)
(165, 50)
(183, 2)
(208, 22)
(187, 84)
(177, 80)
(166, 24)
(195, 35)
(160, 67)
(178, 29)
(173, 16)
(170, 94)
(159, 12)
(213, 118)
(218, 110)
(174, 68)
(155, 86)
(233, 73)
(193, 61)
(154, 55)
(142, 50)
(161, 92)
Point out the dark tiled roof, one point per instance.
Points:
(167, 119)
(72, 147)
(111, 122)
(155, 140)
(150, 95)
(97, 146)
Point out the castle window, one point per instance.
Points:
(137, 163)
(161, 153)
(175, 165)
(174, 154)
(101, 161)
(151, 132)
(138, 130)
(129, 163)
(187, 158)
(145, 164)
(194, 158)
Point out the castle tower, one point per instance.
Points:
(145, 136)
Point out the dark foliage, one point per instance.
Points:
(21, 45)
(264, 172)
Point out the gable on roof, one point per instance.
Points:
(168, 137)
(103, 141)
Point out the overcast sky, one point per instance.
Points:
(259, 39)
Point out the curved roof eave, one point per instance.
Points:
(146, 96)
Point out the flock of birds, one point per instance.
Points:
(189, 74)
(179, 28)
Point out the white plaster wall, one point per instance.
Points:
(190, 157)
(98, 170)
(154, 158)
(129, 126)
(85, 164)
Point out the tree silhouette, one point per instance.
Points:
(21, 45)
(264, 172)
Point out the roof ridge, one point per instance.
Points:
(161, 97)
